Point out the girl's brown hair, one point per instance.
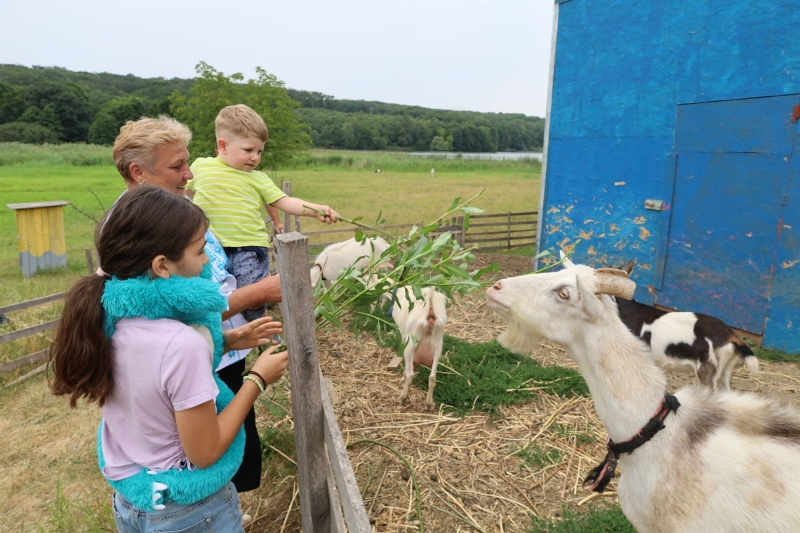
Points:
(146, 222)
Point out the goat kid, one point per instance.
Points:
(723, 462)
(340, 256)
(422, 330)
(688, 342)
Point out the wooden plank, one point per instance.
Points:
(297, 310)
(502, 224)
(501, 232)
(36, 205)
(337, 523)
(526, 213)
(29, 359)
(354, 511)
(503, 247)
(35, 371)
(20, 333)
(497, 239)
(394, 364)
(31, 303)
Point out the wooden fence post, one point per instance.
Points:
(509, 231)
(299, 328)
(287, 218)
(89, 262)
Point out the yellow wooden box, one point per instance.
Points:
(40, 230)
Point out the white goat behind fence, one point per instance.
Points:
(723, 462)
(422, 330)
(339, 256)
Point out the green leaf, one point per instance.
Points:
(359, 235)
(454, 204)
(331, 319)
(466, 222)
(470, 210)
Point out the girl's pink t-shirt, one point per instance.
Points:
(160, 366)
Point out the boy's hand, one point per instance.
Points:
(277, 227)
(327, 215)
(256, 333)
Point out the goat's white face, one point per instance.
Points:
(552, 305)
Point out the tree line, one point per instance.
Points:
(52, 105)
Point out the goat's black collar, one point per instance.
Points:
(600, 475)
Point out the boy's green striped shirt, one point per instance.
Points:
(232, 200)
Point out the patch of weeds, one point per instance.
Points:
(69, 516)
(774, 354)
(598, 519)
(536, 457)
(567, 433)
(282, 440)
(484, 376)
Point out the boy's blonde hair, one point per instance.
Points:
(241, 121)
(138, 142)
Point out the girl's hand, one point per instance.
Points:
(270, 365)
(257, 333)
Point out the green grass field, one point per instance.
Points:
(404, 192)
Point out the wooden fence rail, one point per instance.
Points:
(321, 498)
(41, 355)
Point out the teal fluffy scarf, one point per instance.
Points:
(195, 302)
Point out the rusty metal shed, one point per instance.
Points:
(670, 140)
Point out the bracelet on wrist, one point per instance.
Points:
(254, 380)
(259, 376)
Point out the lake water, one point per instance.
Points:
(482, 155)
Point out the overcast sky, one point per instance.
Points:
(468, 55)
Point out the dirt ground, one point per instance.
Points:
(468, 476)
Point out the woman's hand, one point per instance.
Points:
(259, 332)
(270, 365)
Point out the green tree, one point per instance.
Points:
(114, 114)
(26, 132)
(12, 103)
(266, 95)
(44, 117)
(71, 110)
(439, 144)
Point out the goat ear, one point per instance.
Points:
(565, 260)
(590, 304)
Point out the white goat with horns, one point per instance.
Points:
(721, 462)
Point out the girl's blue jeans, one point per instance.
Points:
(217, 513)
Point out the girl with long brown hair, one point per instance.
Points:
(142, 339)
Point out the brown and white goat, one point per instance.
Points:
(724, 462)
(688, 342)
(422, 330)
(336, 257)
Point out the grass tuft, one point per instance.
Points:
(484, 376)
(598, 519)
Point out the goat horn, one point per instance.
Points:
(614, 282)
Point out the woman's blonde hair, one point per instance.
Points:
(139, 140)
(240, 121)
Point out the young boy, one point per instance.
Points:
(231, 192)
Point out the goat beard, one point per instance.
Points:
(517, 339)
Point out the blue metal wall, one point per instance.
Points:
(621, 71)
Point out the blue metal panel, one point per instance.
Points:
(723, 236)
(783, 317)
(730, 184)
(621, 69)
